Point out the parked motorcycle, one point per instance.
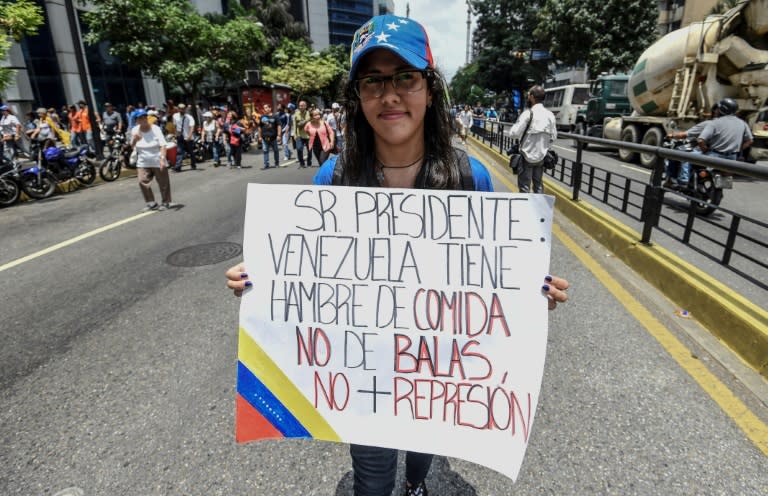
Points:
(10, 186)
(111, 166)
(66, 164)
(36, 181)
(704, 183)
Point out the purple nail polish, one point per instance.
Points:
(243, 275)
(545, 287)
(248, 284)
(548, 278)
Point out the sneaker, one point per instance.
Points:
(419, 490)
(162, 207)
(149, 206)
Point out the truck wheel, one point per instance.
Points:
(653, 137)
(630, 134)
(580, 128)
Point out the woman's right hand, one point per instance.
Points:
(237, 279)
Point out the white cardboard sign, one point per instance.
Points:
(409, 319)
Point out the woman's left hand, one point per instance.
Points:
(554, 287)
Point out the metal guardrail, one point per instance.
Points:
(729, 238)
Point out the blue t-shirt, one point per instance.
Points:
(480, 174)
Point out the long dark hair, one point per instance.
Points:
(440, 166)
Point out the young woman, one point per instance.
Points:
(398, 136)
(321, 136)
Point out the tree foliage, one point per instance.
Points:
(607, 35)
(305, 71)
(504, 28)
(18, 18)
(462, 82)
(169, 40)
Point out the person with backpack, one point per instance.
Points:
(536, 129)
(399, 136)
(270, 134)
(235, 133)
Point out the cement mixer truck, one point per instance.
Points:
(678, 79)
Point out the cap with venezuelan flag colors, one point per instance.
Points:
(404, 37)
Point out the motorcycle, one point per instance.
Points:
(704, 183)
(10, 186)
(66, 164)
(35, 181)
(111, 166)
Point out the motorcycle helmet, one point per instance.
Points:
(727, 106)
(52, 153)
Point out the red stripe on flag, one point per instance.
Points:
(250, 425)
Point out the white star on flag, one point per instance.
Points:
(382, 38)
(393, 26)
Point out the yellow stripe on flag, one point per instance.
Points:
(252, 356)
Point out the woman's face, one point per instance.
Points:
(397, 118)
(315, 115)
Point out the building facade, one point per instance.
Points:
(675, 14)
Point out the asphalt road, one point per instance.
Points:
(117, 368)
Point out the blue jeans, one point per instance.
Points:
(375, 469)
(685, 168)
(266, 145)
(287, 146)
(300, 144)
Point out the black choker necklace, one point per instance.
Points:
(382, 165)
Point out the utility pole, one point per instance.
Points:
(408, 10)
(469, 27)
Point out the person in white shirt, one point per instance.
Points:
(465, 123)
(149, 143)
(10, 127)
(185, 130)
(536, 129)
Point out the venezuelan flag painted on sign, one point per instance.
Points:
(268, 404)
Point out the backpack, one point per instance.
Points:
(467, 180)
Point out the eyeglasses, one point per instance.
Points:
(372, 86)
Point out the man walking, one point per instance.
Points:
(185, 128)
(536, 129)
(300, 119)
(286, 123)
(269, 135)
(111, 122)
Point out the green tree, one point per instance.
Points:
(169, 40)
(307, 72)
(607, 35)
(504, 40)
(18, 18)
(462, 82)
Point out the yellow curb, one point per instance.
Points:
(736, 321)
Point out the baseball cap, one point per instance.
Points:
(3, 107)
(334, 105)
(41, 110)
(207, 114)
(404, 37)
(181, 106)
(139, 113)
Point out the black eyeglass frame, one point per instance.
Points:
(427, 74)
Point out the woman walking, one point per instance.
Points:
(321, 137)
(149, 143)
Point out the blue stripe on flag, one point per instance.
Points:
(262, 399)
